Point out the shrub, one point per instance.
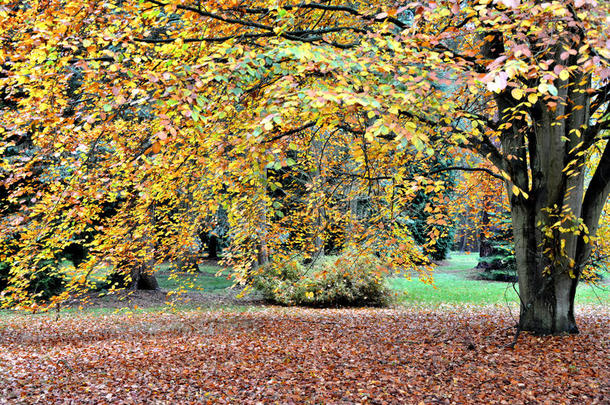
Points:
(501, 266)
(346, 280)
(507, 275)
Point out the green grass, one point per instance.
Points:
(205, 281)
(452, 285)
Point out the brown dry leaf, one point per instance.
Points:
(277, 355)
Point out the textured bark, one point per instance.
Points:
(485, 247)
(142, 279)
(536, 153)
(133, 276)
(546, 289)
(212, 247)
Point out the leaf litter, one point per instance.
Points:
(440, 355)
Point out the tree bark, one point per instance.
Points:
(142, 279)
(212, 247)
(546, 288)
(485, 247)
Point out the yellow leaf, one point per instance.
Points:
(517, 94)
(564, 75)
(532, 98)
(515, 190)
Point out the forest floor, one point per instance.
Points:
(453, 344)
(410, 355)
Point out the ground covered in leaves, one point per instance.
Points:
(441, 355)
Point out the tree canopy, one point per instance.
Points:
(170, 110)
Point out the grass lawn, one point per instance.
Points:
(453, 284)
(205, 281)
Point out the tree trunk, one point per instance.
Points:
(549, 310)
(213, 247)
(485, 247)
(141, 279)
(133, 276)
(546, 290)
(142, 271)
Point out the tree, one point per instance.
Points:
(200, 99)
(546, 70)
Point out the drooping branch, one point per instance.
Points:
(468, 169)
(485, 147)
(601, 96)
(482, 145)
(597, 192)
(206, 39)
(311, 35)
(328, 7)
(301, 35)
(290, 132)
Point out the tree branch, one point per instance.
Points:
(468, 169)
(290, 132)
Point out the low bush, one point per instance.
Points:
(501, 266)
(507, 275)
(346, 280)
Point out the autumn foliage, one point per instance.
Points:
(301, 121)
(346, 280)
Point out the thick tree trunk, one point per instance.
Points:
(543, 149)
(546, 290)
(133, 276)
(550, 310)
(213, 247)
(141, 279)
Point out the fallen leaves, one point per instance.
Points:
(414, 355)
